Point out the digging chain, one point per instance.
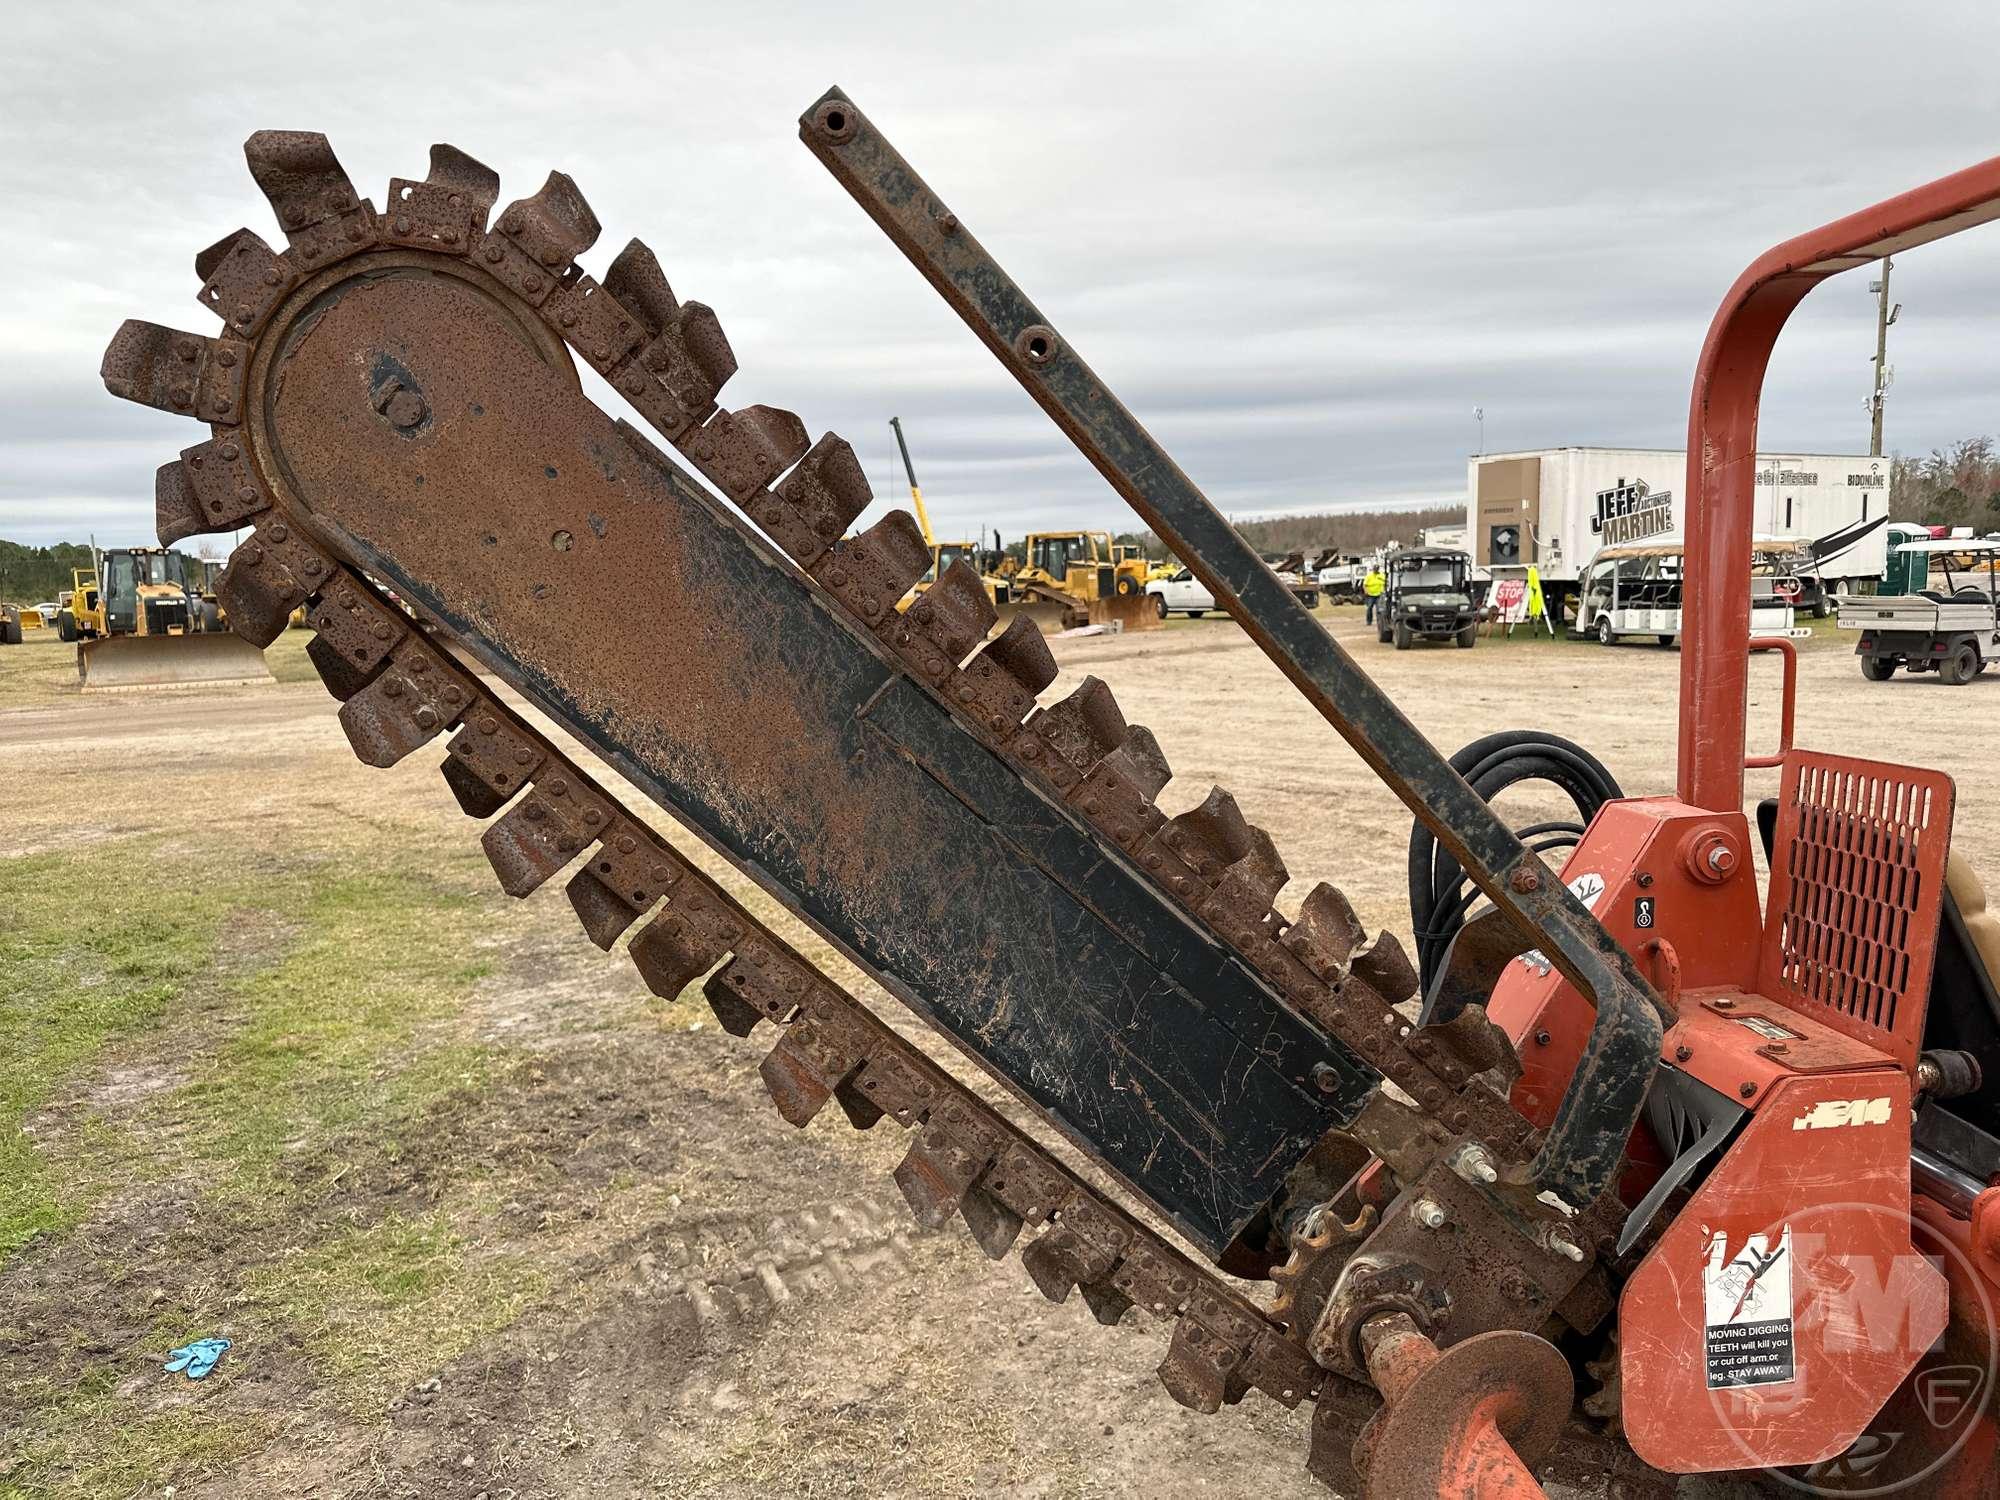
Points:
(399, 691)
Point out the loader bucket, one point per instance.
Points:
(127, 662)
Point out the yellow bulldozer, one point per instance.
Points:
(146, 617)
(1085, 573)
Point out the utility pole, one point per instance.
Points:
(1884, 316)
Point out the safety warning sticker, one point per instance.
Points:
(1748, 1311)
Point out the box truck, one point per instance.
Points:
(1555, 508)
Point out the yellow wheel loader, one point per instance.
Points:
(142, 620)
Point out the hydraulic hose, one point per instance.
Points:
(1440, 893)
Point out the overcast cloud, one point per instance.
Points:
(1301, 244)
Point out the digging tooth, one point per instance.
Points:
(870, 572)
(671, 952)
(300, 175)
(604, 913)
(756, 984)
(492, 750)
(1255, 879)
(1327, 931)
(1022, 652)
(940, 1175)
(993, 1224)
(343, 679)
(625, 876)
(814, 1057)
(474, 797)
(736, 1015)
(1075, 1250)
(1106, 1303)
(685, 359)
(449, 207)
(268, 577)
(1199, 1369)
(176, 515)
(407, 705)
(1387, 968)
(1084, 727)
(743, 451)
(309, 191)
(1212, 835)
(183, 373)
(554, 226)
(1139, 763)
(954, 612)
(242, 280)
(812, 506)
(223, 488)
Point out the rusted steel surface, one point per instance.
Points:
(1470, 1423)
(538, 526)
(1585, 1145)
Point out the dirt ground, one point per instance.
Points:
(485, 1220)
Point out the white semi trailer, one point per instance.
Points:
(1555, 507)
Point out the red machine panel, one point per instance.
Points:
(1857, 881)
(1786, 1303)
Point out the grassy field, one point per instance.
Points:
(217, 1049)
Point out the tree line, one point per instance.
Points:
(1954, 486)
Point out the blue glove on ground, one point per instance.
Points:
(197, 1358)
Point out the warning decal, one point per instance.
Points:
(1747, 1301)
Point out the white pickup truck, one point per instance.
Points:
(1182, 594)
(1953, 631)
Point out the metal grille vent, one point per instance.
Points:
(1857, 882)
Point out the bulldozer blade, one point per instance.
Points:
(122, 663)
(1046, 615)
(1127, 612)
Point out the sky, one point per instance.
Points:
(1302, 244)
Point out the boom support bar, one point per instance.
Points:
(1584, 1147)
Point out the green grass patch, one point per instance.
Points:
(91, 1443)
(374, 1308)
(331, 1041)
(96, 945)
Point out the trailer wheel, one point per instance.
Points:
(1961, 666)
(1878, 668)
(1467, 637)
(1606, 636)
(1402, 636)
(1666, 640)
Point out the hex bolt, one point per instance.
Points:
(1524, 882)
(1563, 1245)
(1683, 1052)
(1430, 1215)
(1474, 1165)
(1325, 1078)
